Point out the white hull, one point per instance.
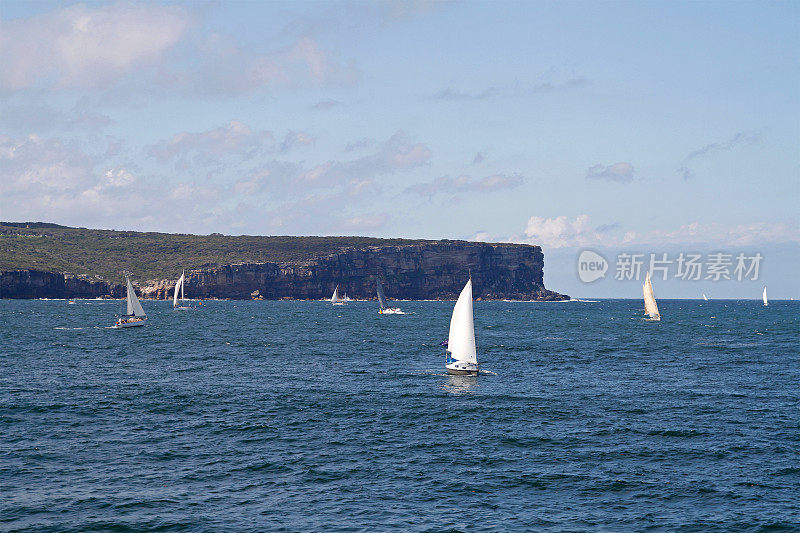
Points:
(129, 324)
(182, 308)
(391, 311)
(460, 368)
(338, 303)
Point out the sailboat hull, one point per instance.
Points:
(454, 372)
(130, 323)
(391, 311)
(460, 368)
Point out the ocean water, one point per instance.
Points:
(300, 416)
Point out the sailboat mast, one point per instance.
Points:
(124, 302)
(474, 329)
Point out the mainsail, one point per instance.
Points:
(461, 341)
(178, 287)
(134, 307)
(764, 296)
(705, 297)
(650, 307)
(381, 297)
(335, 298)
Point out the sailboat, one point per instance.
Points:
(705, 297)
(650, 307)
(385, 309)
(336, 299)
(179, 287)
(461, 357)
(134, 315)
(764, 296)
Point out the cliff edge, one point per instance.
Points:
(419, 270)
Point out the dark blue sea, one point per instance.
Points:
(301, 416)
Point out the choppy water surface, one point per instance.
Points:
(304, 416)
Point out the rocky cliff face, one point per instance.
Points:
(435, 270)
(37, 284)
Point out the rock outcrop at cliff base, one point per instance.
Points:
(428, 271)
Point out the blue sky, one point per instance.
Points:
(658, 126)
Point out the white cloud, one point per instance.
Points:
(560, 231)
(164, 46)
(740, 138)
(480, 236)
(84, 47)
(465, 184)
(359, 144)
(282, 179)
(295, 138)
(621, 172)
(41, 118)
(49, 179)
(224, 67)
(325, 104)
(234, 138)
(35, 165)
(364, 222)
(510, 92)
(118, 178)
(721, 235)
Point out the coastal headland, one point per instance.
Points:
(42, 260)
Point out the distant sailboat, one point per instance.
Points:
(650, 307)
(461, 353)
(764, 296)
(385, 309)
(134, 315)
(705, 297)
(179, 287)
(336, 299)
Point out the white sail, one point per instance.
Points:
(335, 297)
(764, 296)
(183, 283)
(461, 341)
(381, 297)
(705, 297)
(134, 307)
(650, 307)
(178, 287)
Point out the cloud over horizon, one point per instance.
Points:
(739, 139)
(510, 92)
(82, 47)
(563, 232)
(463, 184)
(95, 48)
(621, 172)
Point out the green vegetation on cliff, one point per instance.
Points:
(106, 253)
